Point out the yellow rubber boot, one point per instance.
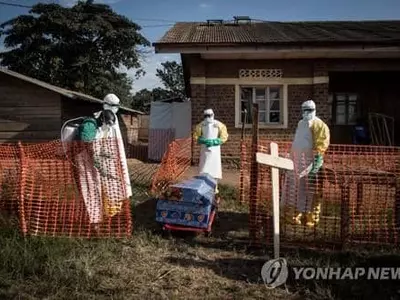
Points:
(312, 218)
(308, 219)
(291, 216)
(316, 213)
(297, 220)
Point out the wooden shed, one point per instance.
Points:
(34, 111)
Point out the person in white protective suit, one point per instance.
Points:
(112, 103)
(210, 134)
(312, 139)
(99, 170)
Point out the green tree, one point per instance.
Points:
(80, 48)
(171, 75)
(141, 100)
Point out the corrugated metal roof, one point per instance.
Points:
(61, 91)
(282, 32)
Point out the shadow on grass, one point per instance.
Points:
(249, 270)
(143, 214)
(230, 268)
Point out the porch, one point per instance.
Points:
(355, 95)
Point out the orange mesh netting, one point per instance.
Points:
(175, 162)
(355, 197)
(10, 173)
(76, 190)
(159, 140)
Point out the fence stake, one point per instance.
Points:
(254, 178)
(243, 156)
(22, 181)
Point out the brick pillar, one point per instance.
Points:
(321, 92)
(198, 97)
(198, 103)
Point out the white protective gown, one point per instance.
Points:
(210, 157)
(104, 188)
(296, 192)
(116, 133)
(90, 187)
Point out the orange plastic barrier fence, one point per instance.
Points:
(175, 162)
(159, 141)
(152, 148)
(75, 190)
(354, 198)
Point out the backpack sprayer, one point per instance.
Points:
(69, 133)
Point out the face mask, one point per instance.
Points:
(308, 115)
(113, 108)
(209, 118)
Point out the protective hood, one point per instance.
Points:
(208, 115)
(308, 110)
(111, 102)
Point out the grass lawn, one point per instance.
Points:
(148, 266)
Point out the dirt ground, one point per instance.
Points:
(230, 177)
(140, 171)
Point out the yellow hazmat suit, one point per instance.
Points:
(310, 143)
(210, 134)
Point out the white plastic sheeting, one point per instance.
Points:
(168, 121)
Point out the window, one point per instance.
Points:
(345, 108)
(270, 104)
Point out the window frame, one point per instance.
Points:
(346, 108)
(283, 124)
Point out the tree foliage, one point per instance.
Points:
(171, 76)
(79, 48)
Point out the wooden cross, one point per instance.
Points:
(275, 162)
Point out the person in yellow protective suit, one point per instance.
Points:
(312, 139)
(210, 134)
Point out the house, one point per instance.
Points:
(349, 68)
(34, 111)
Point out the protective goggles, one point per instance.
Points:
(308, 110)
(112, 105)
(208, 115)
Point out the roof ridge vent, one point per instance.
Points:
(242, 19)
(215, 22)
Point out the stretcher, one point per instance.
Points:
(189, 206)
